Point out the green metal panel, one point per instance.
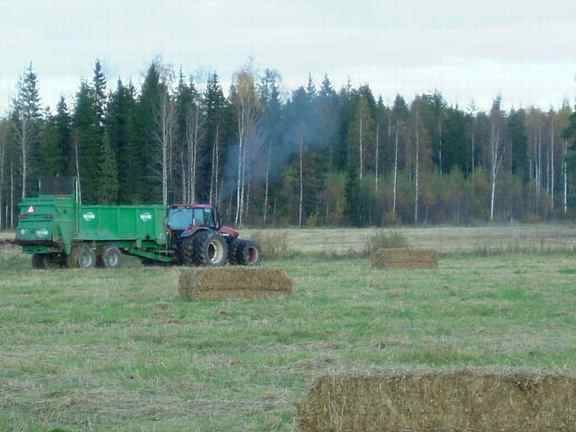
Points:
(46, 219)
(110, 223)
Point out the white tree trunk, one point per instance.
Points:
(496, 157)
(565, 175)
(416, 174)
(361, 149)
(552, 142)
(301, 195)
(267, 184)
(239, 188)
(2, 161)
(395, 169)
(24, 150)
(377, 177)
(11, 196)
(214, 167)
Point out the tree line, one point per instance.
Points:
(317, 156)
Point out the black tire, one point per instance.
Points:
(82, 256)
(248, 253)
(54, 261)
(233, 251)
(109, 257)
(187, 255)
(209, 249)
(39, 261)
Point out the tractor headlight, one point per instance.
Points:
(42, 233)
(22, 232)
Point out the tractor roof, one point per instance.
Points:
(191, 206)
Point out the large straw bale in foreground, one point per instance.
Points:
(233, 282)
(404, 258)
(450, 401)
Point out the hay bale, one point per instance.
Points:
(404, 258)
(463, 400)
(233, 282)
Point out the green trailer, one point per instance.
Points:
(59, 231)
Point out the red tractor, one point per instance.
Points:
(196, 233)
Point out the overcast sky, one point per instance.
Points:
(524, 50)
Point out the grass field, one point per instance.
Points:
(119, 351)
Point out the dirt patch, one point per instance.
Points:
(459, 400)
(404, 258)
(233, 282)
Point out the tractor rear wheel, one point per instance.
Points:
(233, 251)
(109, 257)
(82, 256)
(210, 249)
(248, 253)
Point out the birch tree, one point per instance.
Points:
(247, 107)
(165, 134)
(3, 143)
(26, 117)
(496, 150)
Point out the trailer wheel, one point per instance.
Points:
(248, 253)
(110, 257)
(82, 256)
(39, 261)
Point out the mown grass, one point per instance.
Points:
(119, 351)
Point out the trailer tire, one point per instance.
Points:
(82, 256)
(248, 253)
(110, 257)
(210, 249)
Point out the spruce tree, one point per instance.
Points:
(107, 173)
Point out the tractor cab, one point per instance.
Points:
(182, 218)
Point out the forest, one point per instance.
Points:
(316, 156)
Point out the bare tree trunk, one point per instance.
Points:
(377, 179)
(395, 168)
(183, 177)
(361, 149)
(565, 175)
(214, 167)
(473, 144)
(267, 184)
(416, 174)
(301, 197)
(24, 149)
(2, 161)
(240, 159)
(77, 166)
(11, 196)
(192, 126)
(552, 142)
(496, 158)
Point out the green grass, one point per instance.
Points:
(119, 351)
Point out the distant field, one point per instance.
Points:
(119, 351)
(444, 239)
